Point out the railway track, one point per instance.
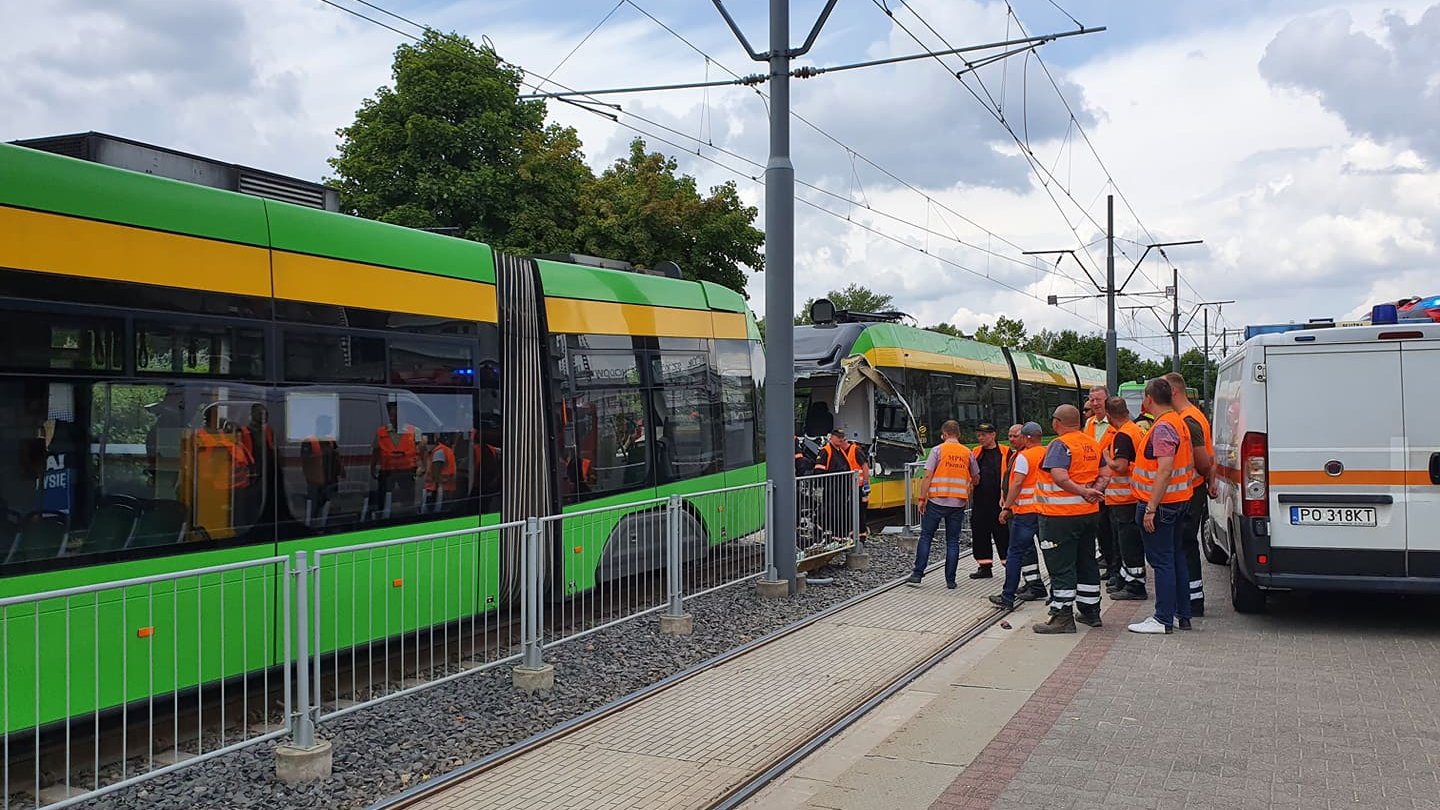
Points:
(747, 789)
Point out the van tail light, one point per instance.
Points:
(1255, 475)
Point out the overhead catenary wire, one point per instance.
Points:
(737, 172)
(995, 110)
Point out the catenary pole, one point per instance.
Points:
(780, 299)
(780, 280)
(1112, 365)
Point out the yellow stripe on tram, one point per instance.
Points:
(52, 243)
(576, 317)
(299, 277)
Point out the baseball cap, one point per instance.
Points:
(985, 427)
(837, 431)
(1032, 429)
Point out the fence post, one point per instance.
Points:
(533, 673)
(909, 498)
(675, 621)
(858, 559)
(307, 759)
(770, 572)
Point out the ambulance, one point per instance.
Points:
(1327, 443)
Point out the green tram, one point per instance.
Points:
(194, 377)
(892, 386)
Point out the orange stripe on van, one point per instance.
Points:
(1378, 478)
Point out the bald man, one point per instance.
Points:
(1073, 477)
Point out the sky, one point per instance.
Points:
(1299, 139)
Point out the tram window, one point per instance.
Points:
(590, 369)
(94, 472)
(737, 402)
(332, 357)
(602, 342)
(431, 362)
(202, 350)
(610, 452)
(487, 480)
(42, 341)
(358, 455)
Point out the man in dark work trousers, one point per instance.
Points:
(989, 535)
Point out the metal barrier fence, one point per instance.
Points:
(604, 566)
(150, 674)
(155, 673)
(912, 493)
(735, 549)
(827, 511)
(408, 613)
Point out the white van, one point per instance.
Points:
(1328, 444)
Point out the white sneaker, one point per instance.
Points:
(1150, 627)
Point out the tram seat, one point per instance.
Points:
(41, 536)
(162, 522)
(818, 420)
(112, 524)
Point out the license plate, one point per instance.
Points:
(1332, 516)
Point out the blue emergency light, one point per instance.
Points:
(1382, 314)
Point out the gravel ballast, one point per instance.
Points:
(384, 749)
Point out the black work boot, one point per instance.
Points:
(1130, 594)
(983, 573)
(1062, 622)
(1092, 619)
(999, 600)
(1032, 593)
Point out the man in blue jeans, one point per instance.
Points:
(949, 473)
(1018, 511)
(1160, 478)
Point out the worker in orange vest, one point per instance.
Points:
(322, 467)
(944, 492)
(1119, 447)
(839, 455)
(1161, 477)
(1202, 448)
(258, 439)
(1018, 512)
(394, 460)
(440, 477)
(1068, 495)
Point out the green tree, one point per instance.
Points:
(452, 146)
(947, 329)
(1006, 332)
(639, 210)
(854, 298)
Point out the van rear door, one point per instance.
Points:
(1420, 363)
(1337, 456)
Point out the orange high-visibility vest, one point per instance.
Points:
(1144, 471)
(1051, 500)
(851, 458)
(952, 472)
(397, 456)
(223, 462)
(316, 471)
(249, 440)
(447, 471)
(1025, 502)
(1196, 479)
(1120, 492)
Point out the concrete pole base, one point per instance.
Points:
(800, 583)
(772, 588)
(682, 625)
(857, 562)
(295, 766)
(538, 679)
